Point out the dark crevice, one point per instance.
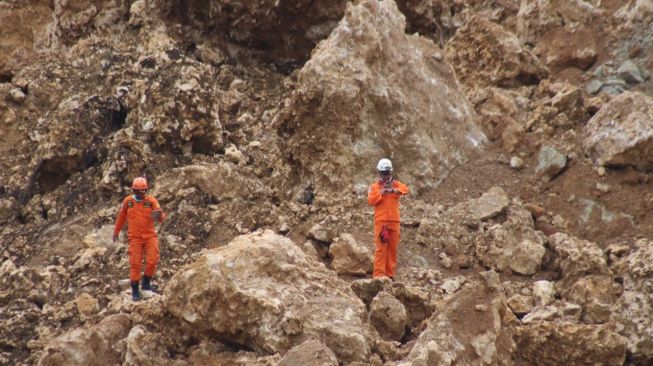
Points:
(6, 77)
(52, 173)
(528, 79)
(118, 119)
(202, 145)
(148, 63)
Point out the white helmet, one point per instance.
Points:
(384, 165)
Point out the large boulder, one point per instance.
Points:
(92, 345)
(349, 256)
(564, 343)
(351, 105)
(621, 132)
(514, 244)
(633, 311)
(483, 53)
(468, 330)
(388, 316)
(262, 291)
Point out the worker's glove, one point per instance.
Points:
(385, 234)
(388, 190)
(156, 214)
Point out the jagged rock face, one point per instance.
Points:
(468, 330)
(262, 291)
(16, 44)
(563, 343)
(286, 29)
(88, 346)
(633, 311)
(483, 53)
(621, 132)
(190, 120)
(351, 107)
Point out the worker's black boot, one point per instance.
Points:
(146, 283)
(136, 294)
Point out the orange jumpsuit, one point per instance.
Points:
(386, 213)
(140, 233)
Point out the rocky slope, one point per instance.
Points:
(523, 128)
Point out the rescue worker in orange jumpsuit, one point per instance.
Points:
(140, 210)
(384, 195)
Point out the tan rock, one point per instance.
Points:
(367, 289)
(483, 53)
(416, 300)
(620, 133)
(142, 347)
(264, 292)
(514, 244)
(89, 346)
(86, 304)
(349, 256)
(576, 258)
(520, 304)
(564, 47)
(309, 353)
(388, 316)
(491, 203)
(553, 343)
(453, 331)
(633, 309)
(596, 294)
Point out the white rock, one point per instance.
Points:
(543, 293)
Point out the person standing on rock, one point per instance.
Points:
(384, 195)
(140, 210)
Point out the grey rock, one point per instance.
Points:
(630, 72)
(593, 86)
(550, 162)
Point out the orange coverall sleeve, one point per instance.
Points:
(374, 194)
(402, 188)
(122, 217)
(157, 207)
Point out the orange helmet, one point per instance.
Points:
(139, 184)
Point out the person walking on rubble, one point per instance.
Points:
(140, 210)
(384, 195)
